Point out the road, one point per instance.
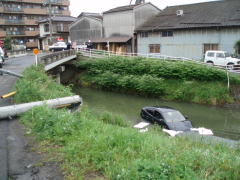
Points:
(17, 161)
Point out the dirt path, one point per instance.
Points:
(17, 160)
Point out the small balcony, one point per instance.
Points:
(60, 2)
(31, 33)
(15, 33)
(57, 2)
(2, 33)
(30, 22)
(2, 21)
(14, 21)
(35, 11)
(31, 44)
(33, 1)
(13, 10)
(66, 13)
(12, 0)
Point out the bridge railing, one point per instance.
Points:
(103, 54)
(95, 53)
(56, 56)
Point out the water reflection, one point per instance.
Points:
(224, 121)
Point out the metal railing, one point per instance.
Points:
(13, 9)
(13, 33)
(11, 0)
(94, 53)
(14, 21)
(54, 57)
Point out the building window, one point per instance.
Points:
(208, 47)
(154, 48)
(167, 33)
(46, 27)
(143, 34)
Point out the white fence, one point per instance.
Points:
(94, 53)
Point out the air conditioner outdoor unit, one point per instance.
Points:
(179, 12)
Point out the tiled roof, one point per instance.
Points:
(59, 18)
(209, 14)
(121, 8)
(88, 14)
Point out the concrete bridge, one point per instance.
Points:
(53, 60)
(50, 61)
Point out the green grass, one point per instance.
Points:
(105, 147)
(37, 86)
(88, 145)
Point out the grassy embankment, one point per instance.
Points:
(105, 147)
(170, 80)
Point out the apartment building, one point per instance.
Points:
(60, 30)
(19, 18)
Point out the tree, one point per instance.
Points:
(237, 47)
(7, 43)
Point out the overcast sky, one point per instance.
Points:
(98, 6)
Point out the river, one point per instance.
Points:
(225, 122)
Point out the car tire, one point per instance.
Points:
(1, 68)
(210, 63)
(230, 66)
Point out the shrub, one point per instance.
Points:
(156, 68)
(171, 80)
(36, 86)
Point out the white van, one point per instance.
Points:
(220, 58)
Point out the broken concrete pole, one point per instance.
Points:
(14, 110)
(4, 71)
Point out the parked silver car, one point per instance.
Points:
(59, 46)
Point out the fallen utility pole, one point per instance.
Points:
(8, 95)
(14, 110)
(4, 71)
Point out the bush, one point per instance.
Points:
(156, 68)
(171, 80)
(36, 86)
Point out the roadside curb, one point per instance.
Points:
(15, 56)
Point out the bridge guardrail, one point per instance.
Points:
(101, 54)
(56, 56)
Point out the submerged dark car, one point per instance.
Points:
(166, 117)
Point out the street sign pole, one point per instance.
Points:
(35, 52)
(36, 60)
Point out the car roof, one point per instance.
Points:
(217, 51)
(161, 108)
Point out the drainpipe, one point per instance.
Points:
(50, 20)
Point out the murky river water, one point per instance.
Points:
(225, 122)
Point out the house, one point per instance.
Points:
(87, 27)
(119, 25)
(18, 19)
(59, 32)
(190, 30)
